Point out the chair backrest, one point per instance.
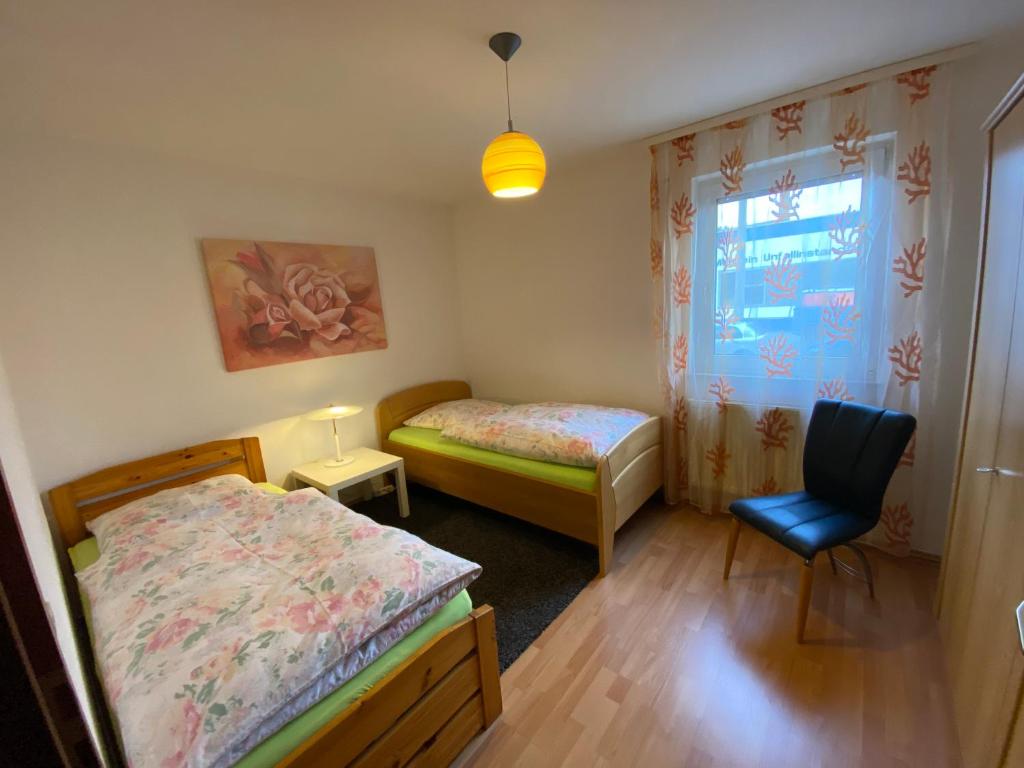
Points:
(851, 452)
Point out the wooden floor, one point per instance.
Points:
(662, 663)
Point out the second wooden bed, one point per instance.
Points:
(629, 474)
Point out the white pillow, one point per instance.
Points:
(452, 412)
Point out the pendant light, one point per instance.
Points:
(513, 164)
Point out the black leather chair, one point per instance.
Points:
(850, 455)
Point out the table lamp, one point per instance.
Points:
(333, 413)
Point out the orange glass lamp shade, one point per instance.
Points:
(513, 165)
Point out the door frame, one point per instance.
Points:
(37, 648)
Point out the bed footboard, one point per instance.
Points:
(424, 712)
(628, 475)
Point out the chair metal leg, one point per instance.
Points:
(864, 574)
(730, 548)
(806, 579)
(867, 575)
(832, 562)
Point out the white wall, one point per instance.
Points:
(107, 328)
(555, 293)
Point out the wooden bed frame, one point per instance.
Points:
(423, 713)
(627, 475)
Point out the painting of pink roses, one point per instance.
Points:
(284, 302)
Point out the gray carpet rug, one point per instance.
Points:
(530, 575)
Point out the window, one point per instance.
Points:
(788, 276)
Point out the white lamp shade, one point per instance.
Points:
(334, 412)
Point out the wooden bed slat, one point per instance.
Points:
(453, 737)
(425, 718)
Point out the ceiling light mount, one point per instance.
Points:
(505, 44)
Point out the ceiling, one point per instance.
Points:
(402, 96)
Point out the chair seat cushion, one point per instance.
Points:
(801, 522)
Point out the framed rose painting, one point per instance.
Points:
(284, 302)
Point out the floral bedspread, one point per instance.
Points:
(216, 605)
(562, 433)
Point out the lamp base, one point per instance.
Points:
(342, 462)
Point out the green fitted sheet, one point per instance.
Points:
(583, 478)
(273, 750)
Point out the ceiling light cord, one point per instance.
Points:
(508, 99)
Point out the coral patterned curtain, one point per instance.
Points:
(796, 255)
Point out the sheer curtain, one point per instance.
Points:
(796, 255)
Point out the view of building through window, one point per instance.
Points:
(781, 268)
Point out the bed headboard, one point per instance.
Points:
(396, 408)
(88, 497)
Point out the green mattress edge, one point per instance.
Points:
(582, 478)
(274, 749)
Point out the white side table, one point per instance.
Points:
(368, 463)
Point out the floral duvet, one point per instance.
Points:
(218, 609)
(563, 433)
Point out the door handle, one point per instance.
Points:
(998, 471)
